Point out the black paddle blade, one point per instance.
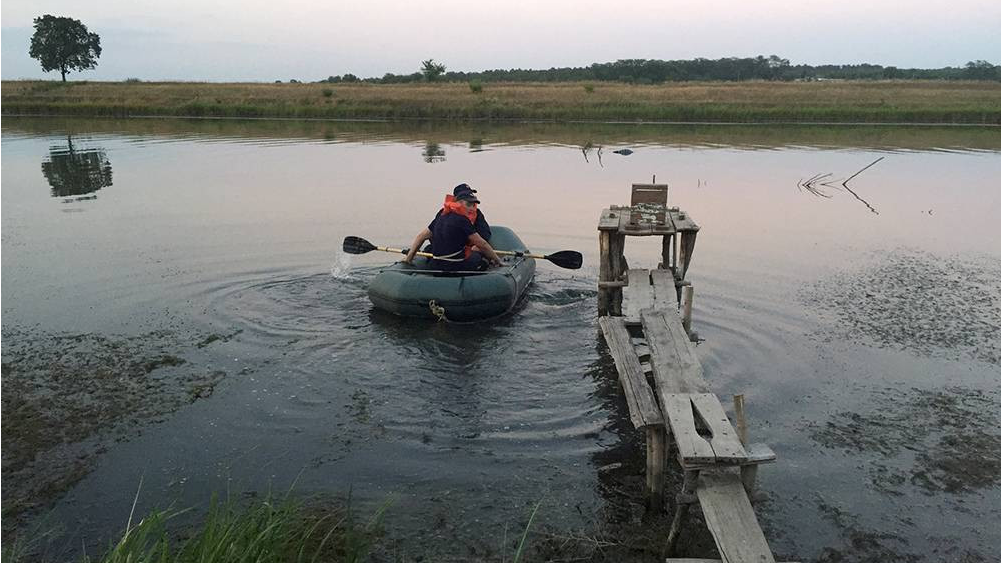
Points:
(356, 245)
(566, 259)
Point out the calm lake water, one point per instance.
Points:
(177, 313)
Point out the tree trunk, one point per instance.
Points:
(63, 70)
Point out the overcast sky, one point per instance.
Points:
(309, 40)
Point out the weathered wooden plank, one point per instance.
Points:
(692, 448)
(643, 407)
(637, 295)
(682, 220)
(609, 220)
(725, 443)
(730, 517)
(665, 294)
(760, 453)
(656, 468)
(673, 359)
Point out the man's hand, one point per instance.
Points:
(485, 248)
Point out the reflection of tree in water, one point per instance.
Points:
(73, 172)
(433, 153)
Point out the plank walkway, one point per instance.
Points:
(666, 391)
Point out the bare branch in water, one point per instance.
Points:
(809, 185)
(860, 172)
(848, 189)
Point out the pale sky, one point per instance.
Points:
(257, 40)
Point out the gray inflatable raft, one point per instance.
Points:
(419, 291)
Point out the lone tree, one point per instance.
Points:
(64, 44)
(432, 70)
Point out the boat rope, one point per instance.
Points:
(437, 310)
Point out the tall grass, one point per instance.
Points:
(746, 102)
(272, 530)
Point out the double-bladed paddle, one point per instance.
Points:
(565, 258)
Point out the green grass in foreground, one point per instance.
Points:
(736, 102)
(274, 530)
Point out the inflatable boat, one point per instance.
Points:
(418, 290)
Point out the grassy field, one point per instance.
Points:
(736, 102)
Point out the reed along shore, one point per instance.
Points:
(900, 102)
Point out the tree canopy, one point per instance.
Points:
(432, 70)
(64, 44)
(655, 71)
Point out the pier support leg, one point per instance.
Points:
(655, 468)
(668, 253)
(687, 308)
(681, 507)
(604, 272)
(611, 265)
(749, 473)
(617, 265)
(688, 245)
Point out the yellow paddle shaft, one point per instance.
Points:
(429, 255)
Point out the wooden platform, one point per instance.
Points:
(666, 392)
(647, 215)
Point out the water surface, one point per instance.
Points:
(176, 311)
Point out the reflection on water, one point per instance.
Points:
(824, 185)
(433, 153)
(576, 136)
(216, 276)
(72, 171)
(587, 148)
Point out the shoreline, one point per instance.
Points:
(895, 103)
(515, 121)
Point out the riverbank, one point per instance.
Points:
(919, 102)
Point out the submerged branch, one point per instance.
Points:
(861, 171)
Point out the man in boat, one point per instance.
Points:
(456, 241)
(483, 229)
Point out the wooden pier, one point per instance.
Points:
(645, 317)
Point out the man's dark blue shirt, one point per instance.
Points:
(449, 234)
(481, 226)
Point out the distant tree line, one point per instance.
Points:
(653, 71)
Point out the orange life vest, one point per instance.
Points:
(457, 207)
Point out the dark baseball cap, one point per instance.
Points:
(467, 196)
(462, 188)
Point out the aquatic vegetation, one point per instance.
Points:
(915, 301)
(938, 441)
(67, 396)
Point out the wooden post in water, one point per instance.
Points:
(667, 252)
(748, 472)
(656, 468)
(604, 272)
(687, 308)
(617, 266)
(681, 507)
